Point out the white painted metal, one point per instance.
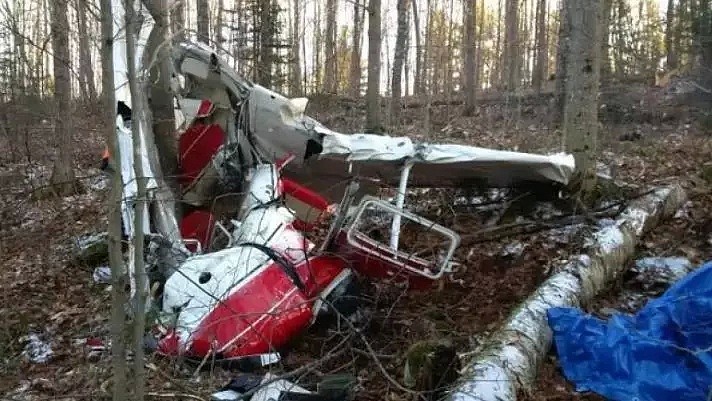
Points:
(400, 201)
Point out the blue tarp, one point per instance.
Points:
(663, 353)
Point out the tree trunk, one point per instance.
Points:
(542, 55)
(157, 59)
(398, 59)
(296, 69)
(620, 41)
(605, 38)
(63, 179)
(266, 49)
(330, 48)
(561, 59)
(217, 28)
(178, 21)
(203, 21)
(355, 68)
(118, 284)
(85, 64)
(139, 315)
(448, 53)
(373, 96)
(496, 73)
(511, 62)
(582, 83)
(418, 79)
(469, 62)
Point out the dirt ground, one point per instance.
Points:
(43, 291)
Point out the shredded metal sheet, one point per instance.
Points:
(440, 164)
(512, 355)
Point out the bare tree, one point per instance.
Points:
(330, 48)
(581, 88)
(606, 37)
(373, 97)
(63, 179)
(511, 62)
(86, 73)
(542, 47)
(669, 26)
(178, 20)
(469, 62)
(295, 80)
(118, 284)
(418, 79)
(203, 21)
(399, 59)
(355, 67)
(218, 26)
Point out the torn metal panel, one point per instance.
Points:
(443, 164)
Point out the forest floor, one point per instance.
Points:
(43, 291)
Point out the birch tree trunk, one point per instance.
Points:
(399, 59)
(469, 62)
(139, 315)
(330, 48)
(373, 96)
(203, 21)
(582, 82)
(63, 179)
(118, 272)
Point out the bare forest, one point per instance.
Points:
(359, 199)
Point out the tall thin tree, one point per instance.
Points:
(203, 11)
(63, 180)
(469, 62)
(581, 87)
(373, 97)
(330, 48)
(118, 283)
(355, 62)
(399, 59)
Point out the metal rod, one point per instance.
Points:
(400, 200)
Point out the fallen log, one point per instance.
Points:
(509, 360)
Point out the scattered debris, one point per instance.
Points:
(92, 249)
(102, 275)
(36, 350)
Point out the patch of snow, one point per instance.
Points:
(102, 275)
(513, 249)
(36, 350)
(608, 239)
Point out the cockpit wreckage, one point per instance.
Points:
(239, 274)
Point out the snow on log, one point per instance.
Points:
(510, 358)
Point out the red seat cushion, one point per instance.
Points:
(196, 147)
(197, 225)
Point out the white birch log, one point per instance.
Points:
(511, 357)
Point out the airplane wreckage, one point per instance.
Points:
(242, 284)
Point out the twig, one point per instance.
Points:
(175, 395)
